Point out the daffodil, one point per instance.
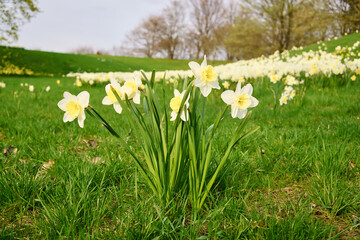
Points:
(74, 106)
(175, 104)
(2, 85)
(131, 88)
(240, 100)
(110, 98)
(283, 99)
(226, 84)
(31, 88)
(353, 78)
(206, 77)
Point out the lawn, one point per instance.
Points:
(295, 178)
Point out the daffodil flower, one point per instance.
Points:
(175, 104)
(74, 106)
(283, 99)
(240, 100)
(131, 88)
(206, 77)
(110, 98)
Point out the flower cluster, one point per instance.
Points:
(205, 79)
(174, 160)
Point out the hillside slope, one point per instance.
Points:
(47, 63)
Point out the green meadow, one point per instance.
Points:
(297, 177)
(58, 64)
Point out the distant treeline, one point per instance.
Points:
(239, 29)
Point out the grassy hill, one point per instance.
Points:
(52, 63)
(62, 63)
(344, 41)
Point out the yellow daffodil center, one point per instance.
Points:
(284, 99)
(243, 101)
(112, 96)
(175, 103)
(73, 109)
(208, 74)
(133, 87)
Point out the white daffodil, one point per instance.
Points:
(226, 84)
(240, 100)
(283, 99)
(175, 104)
(74, 106)
(131, 88)
(206, 77)
(47, 89)
(31, 88)
(2, 85)
(110, 98)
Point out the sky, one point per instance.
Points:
(64, 25)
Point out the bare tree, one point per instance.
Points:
(173, 31)
(145, 39)
(347, 14)
(206, 17)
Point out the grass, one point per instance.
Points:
(58, 64)
(296, 178)
(331, 44)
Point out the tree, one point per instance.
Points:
(347, 14)
(13, 14)
(173, 20)
(206, 17)
(247, 37)
(291, 22)
(145, 39)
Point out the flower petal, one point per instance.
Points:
(234, 111)
(117, 108)
(242, 113)
(62, 104)
(67, 118)
(173, 116)
(228, 97)
(83, 98)
(176, 93)
(205, 90)
(254, 102)
(248, 89)
(195, 68)
(215, 84)
(81, 119)
(238, 88)
(204, 63)
(114, 83)
(136, 99)
(68, 95)
(198, 82)
(184, 116)
(107, 88)
(106, 101)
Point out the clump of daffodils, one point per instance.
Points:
(177, 150)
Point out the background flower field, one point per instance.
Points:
(297, 176)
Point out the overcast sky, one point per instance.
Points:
(64, 25)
